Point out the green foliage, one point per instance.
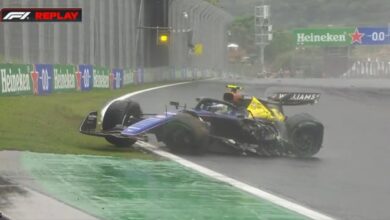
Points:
(10, 60)
(283, 42)
(303, 13)
(213, 2)
(242, 32)
(288, 15)
(282, 61)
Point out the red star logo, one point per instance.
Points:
(357, 36)
(78, 79)
(112, 80)
(34, 77)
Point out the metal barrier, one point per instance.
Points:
(107, 35)
(368, 68)
(197, 23)
(102, 38)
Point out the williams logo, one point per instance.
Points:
(41, 14)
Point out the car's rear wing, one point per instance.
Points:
(295, 98)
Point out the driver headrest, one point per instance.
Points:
(228, 97)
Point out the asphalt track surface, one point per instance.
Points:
(348, 178)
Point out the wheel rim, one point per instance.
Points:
(181, 136)
(304, 142)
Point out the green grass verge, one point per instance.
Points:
(50, 123)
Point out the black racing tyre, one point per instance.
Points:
(186, 134)
(305, 135)
(121, 112)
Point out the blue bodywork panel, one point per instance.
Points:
(147, 124)
(158, 120)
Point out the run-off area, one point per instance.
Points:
(113, 188)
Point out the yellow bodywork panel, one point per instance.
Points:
(232, 86)
(259, 110)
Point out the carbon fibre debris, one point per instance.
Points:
(113, 188)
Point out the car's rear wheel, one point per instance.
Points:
(121, 113)
(305, 135)
(185, 134)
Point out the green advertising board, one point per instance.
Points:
(64, 77)
(15, 79)
(101, 77)
(178, 74)
(128, 76)
(325, 37)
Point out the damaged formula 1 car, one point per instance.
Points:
(237, 124)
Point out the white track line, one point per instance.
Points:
(104, 109)
(240, 185)
(233, 182)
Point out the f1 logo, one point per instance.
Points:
(16, 15)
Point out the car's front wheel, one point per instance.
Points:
(185, 134)
(121, 113)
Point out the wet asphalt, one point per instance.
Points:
(347, 179)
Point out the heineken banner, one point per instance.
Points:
(64, 77)
(198, 74)
(183, 74)
(101, 77)
(84, 78)
(139, 76)
(178, 74)
(173, 74)
(15, 79)
(128, 76)
(43, 79)
(190, 74)
(324, 36)
(343, 36)
(116, 78)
